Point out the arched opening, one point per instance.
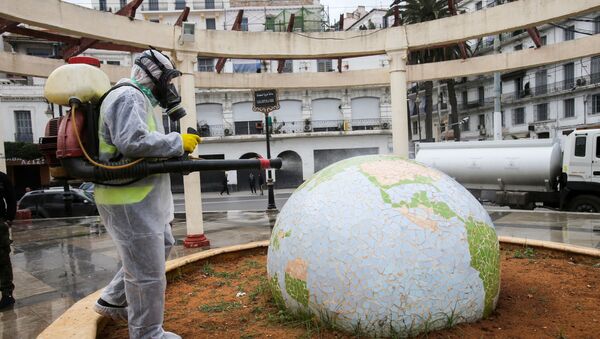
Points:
(288, 118)
(243, 175)
(290, 174)
(327, 115)
(365, 113)
(210, 119)
(246, 120)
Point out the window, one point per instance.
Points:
(415, 128)
(580, 146)
(155, 20)
(23, 129)
(597, 147)
(481, 121)
(597, 25)
(569, 75)
(153, 5)
(465, 98)
(596, 104)
(478, 5)
(123, 3)
(595, 76)
(502, 118)
(113, 62)
(519, 87)
(541, 112)
(39, 52)
(541, 82)
(569, 108)
(466, 125)
(103, 5)
(481, 92)
(206, 65)
(519, 116)
(288, 66)
(324, 65)
(569, 32)
(544, 40)
(244, 26)
(179, 4)
(270, 23)
(518, 47)
(211, 24)
(209, 4)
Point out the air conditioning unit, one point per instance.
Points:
(227, 132)
(385, 125)
(307, 128)
(581, 82)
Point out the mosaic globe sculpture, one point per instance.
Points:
(382, 246)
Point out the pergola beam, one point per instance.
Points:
(237, 25)
(65, 18)
(505, 62)
(290, 27)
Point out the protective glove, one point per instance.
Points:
(190, 141)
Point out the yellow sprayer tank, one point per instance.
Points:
(84, 82)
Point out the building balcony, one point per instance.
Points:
(295, 127)
(206, 4)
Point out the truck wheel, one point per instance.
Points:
(585, 203)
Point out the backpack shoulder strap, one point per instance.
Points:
(115, 87)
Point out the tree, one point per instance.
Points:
(415, 11)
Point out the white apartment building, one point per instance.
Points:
(543, 102)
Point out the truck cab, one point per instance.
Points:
(581, 171)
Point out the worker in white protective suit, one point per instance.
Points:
(137, 214)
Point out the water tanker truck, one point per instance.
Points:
(525, 173)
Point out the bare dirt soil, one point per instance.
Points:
(544, 294)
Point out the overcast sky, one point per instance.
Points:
(336, 7)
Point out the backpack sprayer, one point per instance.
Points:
(70, 143)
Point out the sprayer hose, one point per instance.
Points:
(87, 156)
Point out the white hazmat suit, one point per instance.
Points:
(137, 215)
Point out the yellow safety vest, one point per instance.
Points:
(120, 195)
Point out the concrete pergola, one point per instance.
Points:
(395, 42)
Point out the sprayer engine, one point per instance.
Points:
(70, 142)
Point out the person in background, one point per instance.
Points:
(225, 186)
(8, 210)
(252, 182)
(261, 182)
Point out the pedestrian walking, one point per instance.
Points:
(8, 209)
(261, 182)
(225, 186)
(252, 182)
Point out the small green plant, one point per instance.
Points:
(223, 306)
(561, 334)
(526, 253)
(207, 269)
(262, 288)
(252, 263)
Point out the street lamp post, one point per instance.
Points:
(271, 193)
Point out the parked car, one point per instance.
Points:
(88, 187)
(51, 203)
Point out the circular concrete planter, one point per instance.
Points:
(81, 322)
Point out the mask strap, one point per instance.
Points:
(145, 69)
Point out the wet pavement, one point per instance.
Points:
(58, 261)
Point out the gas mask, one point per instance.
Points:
(164, 91)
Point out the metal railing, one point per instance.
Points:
(155, 6)
(207, 4)
(327, 125)
(371, 124)
(248, 127)
(211, 130)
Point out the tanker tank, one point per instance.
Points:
(511, 165)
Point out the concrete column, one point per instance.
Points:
(2, 155)
(191, 182)
(398, 95)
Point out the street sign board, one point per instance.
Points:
(265, 101)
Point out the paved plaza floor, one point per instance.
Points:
(59, 261)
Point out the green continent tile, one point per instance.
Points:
(276, 291)
(276, 237)
(485, 258)
(421, 199)
(329, 172)
(297, 289)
